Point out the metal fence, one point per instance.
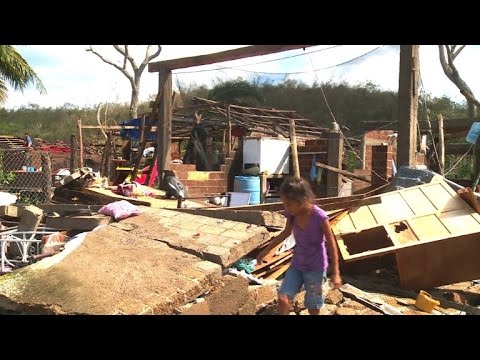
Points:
(27, 174)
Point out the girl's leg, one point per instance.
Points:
(313, 291)
(291, 285)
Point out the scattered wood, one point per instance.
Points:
(467, 195)
(343, 172)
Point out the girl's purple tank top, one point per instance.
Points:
(310, 252)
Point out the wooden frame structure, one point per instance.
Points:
(162, 107)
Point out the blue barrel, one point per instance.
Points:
(248, 184)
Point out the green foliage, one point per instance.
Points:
(352, 160)
(6, 177)
(350, 104)
(31, 198)
(15, 71)
(462, 170)
(59, 123)
(238, 92)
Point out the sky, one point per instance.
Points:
(73, 76)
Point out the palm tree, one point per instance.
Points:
(15, 71)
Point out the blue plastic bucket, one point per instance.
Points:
(248, 184)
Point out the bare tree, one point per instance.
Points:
(99, 108)
(137, 70)
(452, 73)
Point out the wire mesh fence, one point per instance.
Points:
(26, 173)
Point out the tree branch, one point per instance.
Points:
(148, 58)
(452, 73)
(455, 54)
(123, 71)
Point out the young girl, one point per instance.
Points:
(312, 232)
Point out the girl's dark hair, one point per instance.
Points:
(295, 188)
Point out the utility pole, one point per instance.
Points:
(408, 105)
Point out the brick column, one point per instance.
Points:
(381, 164)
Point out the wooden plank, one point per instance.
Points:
(362, 218)
(394, 208)
(418, 202)
(342, 201)
(428, 228)
(344, 226)
(276, 274)
(244, 52)
(272, 263)
(469, 197)
(460, 221)
(343, 172)
(442, 199)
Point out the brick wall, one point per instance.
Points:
(376, 137)
(305, 162)
(202, 183)
(382, 156)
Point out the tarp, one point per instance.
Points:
(135, 133)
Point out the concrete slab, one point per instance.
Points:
(78, 222)
(222, 241)
(110, 272)
(257, 217)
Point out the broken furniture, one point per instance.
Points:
(21, 241)
(433, 233)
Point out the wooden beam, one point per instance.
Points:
(244, 52)
(164, 122)
(408, 105)
(229, 134)
(80, 141)
(293, 145)
(335, 155)
(441, 144)
(47, 181)
(343, 172)
(73, 153)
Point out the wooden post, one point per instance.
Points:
(110, 156)
(335, 155)
(224, 150)
(142, 128)
(229, 138)
(293, 144)
(80, 141)
(441, 144)
(47, 183)
(263, 188)
(408, 105)
(73, 153)
(164, 127)
(106, 155)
